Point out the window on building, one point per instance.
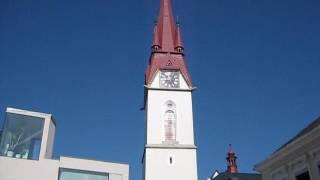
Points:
(171, 162)
(170, 126)
(72, 174)
(22, 136)
(303, 176)
(170, 122)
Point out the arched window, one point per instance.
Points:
(170, 119)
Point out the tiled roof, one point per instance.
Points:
(167, 41)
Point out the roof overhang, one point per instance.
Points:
(289, 148)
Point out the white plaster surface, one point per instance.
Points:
(48, 169)
(157, 165)
(156, 110)
(183, 151)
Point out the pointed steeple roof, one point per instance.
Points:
(232, 160)
(178, 40)
(156, 42)
(167, 47)
(230, 151)
(166, 26)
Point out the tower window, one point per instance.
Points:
(170, 118)
(171, 161)
(170, 125)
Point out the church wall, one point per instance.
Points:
(156, 110)
(158, 165)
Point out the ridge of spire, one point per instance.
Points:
(166, 27)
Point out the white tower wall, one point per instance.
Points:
(158, 167)
(155, 117)
(169, 160)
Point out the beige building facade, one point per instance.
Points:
(298, 159)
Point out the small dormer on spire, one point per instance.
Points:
(156, 43)
(178, 41)
(232, 160)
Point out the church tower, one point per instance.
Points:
(232, 161)
(170, 152)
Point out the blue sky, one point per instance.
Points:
(255, 63)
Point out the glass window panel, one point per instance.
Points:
(303, 176)
(71, 174)
(22, 136)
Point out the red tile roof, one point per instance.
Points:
(167, 40)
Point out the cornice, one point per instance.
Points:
(171, 89)
(288, 149)
(170, 146)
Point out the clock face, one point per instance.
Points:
(169, 79)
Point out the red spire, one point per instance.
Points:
(167, 27)
(156, 43)
(232, 161)
(167, 46)
(231, 151)
(178, 40)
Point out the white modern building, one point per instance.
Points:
(26, 149)
(298, 159)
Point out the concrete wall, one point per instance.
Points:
(50, 139)
(116, 171)
(20, 169)
(45, 169)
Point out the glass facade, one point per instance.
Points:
(72, 174)
(22, 136)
